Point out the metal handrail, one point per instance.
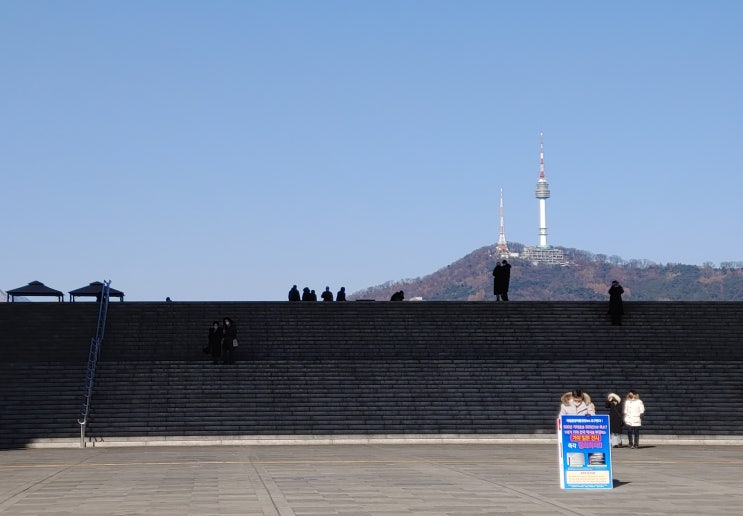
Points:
(93, 353)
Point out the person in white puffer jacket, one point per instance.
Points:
(634, 408)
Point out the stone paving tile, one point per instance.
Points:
(358, 480)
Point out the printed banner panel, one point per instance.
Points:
(584, 448)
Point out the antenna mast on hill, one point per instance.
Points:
(501, 248)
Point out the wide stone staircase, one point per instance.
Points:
(364, 368)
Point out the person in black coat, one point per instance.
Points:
(327, 295)
(498, 280)
(616, 418)
(306, 296)
(616, 309)
(294, 294)
(506, 279)
(341, 295)
(229, 341)
(215, 342)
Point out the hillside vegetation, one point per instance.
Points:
(586, 277)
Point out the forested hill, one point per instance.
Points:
(586, 277)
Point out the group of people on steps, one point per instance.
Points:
(222, 341)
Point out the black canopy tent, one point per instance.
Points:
(94, 290)
(35, 289)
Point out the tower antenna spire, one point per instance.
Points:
(541, 155)
(501, 248)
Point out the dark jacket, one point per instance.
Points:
(229, 333)
(294, 294)
(506, 276)
(615, 299)
(215, 341)
(616, 416)
(500, 280)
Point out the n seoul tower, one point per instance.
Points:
(542, 193)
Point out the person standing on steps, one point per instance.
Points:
(498, 281)
(634, 408)
(327, 295)
(294, 294)
(341, 295)
(616, 310)
(506, 279)
(215, 342)
(229, 341)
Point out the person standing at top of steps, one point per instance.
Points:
(506, 279)
(294, 294)
(501, 280)
(327, 295)
(498, 281)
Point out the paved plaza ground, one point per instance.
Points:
(366, 479)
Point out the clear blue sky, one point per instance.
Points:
(225, 150)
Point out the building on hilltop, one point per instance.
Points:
(543, 253)
(550, 256)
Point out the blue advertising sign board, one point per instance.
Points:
(584, 448)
